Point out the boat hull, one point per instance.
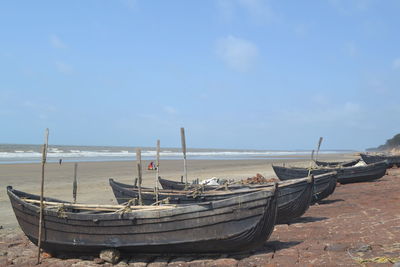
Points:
(337, 163)
(344, 175)
(234, 224)
(294, 198)
(392, 160)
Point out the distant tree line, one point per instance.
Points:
(390, 144)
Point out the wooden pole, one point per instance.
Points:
(311, 162)
(157, 168)
(93, 206)
(183, 141)
(75, 184)
(44, 156)
(319, 145)
(139, 168)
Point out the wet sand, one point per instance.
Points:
(93, 177)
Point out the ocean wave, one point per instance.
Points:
(55, 153)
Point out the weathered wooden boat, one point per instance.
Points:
(363, 173)
(324, 186)
(234, 224)
(344, 174)
(175, 185)
(392, 159)
(288, 173)
(294, 196)
(337, 163)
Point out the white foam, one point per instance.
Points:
(55, 153)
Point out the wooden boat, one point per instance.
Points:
(337, 163)
(363, 173)
(344, 174)
(288, 173)
(294, 196)
(324, 186)
(392, 159)
(234, 224)
(174, 185)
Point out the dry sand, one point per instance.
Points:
(93, 177)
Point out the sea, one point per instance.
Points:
(17, 153)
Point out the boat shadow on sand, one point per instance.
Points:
(268, 247)
(307, 219)
(329, 201)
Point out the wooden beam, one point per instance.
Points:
(139, 169)
(75, 183)
(44, 156)
(183, 141)
(157, 168)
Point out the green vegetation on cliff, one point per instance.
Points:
(390, 144)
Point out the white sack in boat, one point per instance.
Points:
(211, 181)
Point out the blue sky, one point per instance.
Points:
(235, 73)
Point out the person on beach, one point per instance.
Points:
(60, 161)
(151, 166)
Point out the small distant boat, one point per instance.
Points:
(392, 159)
(230, 225)
(294, 196)
(344, 174)
(337, 163)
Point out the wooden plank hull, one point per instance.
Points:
(363, 173)
(337, 163)
(294, 198)
(392, 160)
(345, 175)
(172, 185)
(288, 173)
(234, 224)
(324, 184)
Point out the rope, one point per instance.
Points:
(61, 212)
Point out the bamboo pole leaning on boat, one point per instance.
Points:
(319, 145)
(75, 183)
(311, 162)
(157, 168)
(44, 155)
(139, 169)
(183, 140)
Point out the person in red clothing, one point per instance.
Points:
(151, 166)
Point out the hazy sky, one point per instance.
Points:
(235, 73)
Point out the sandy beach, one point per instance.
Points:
(93, 177)
(357, 224)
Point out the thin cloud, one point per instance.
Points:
(170, 110)
(56, 42)
(63, 67)
(300, 30)
(351, 48)
(227, 9)
(238, 54)
(348, 7)
(349, 113)
(258, 11)
(396, 64)
(130, 3)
